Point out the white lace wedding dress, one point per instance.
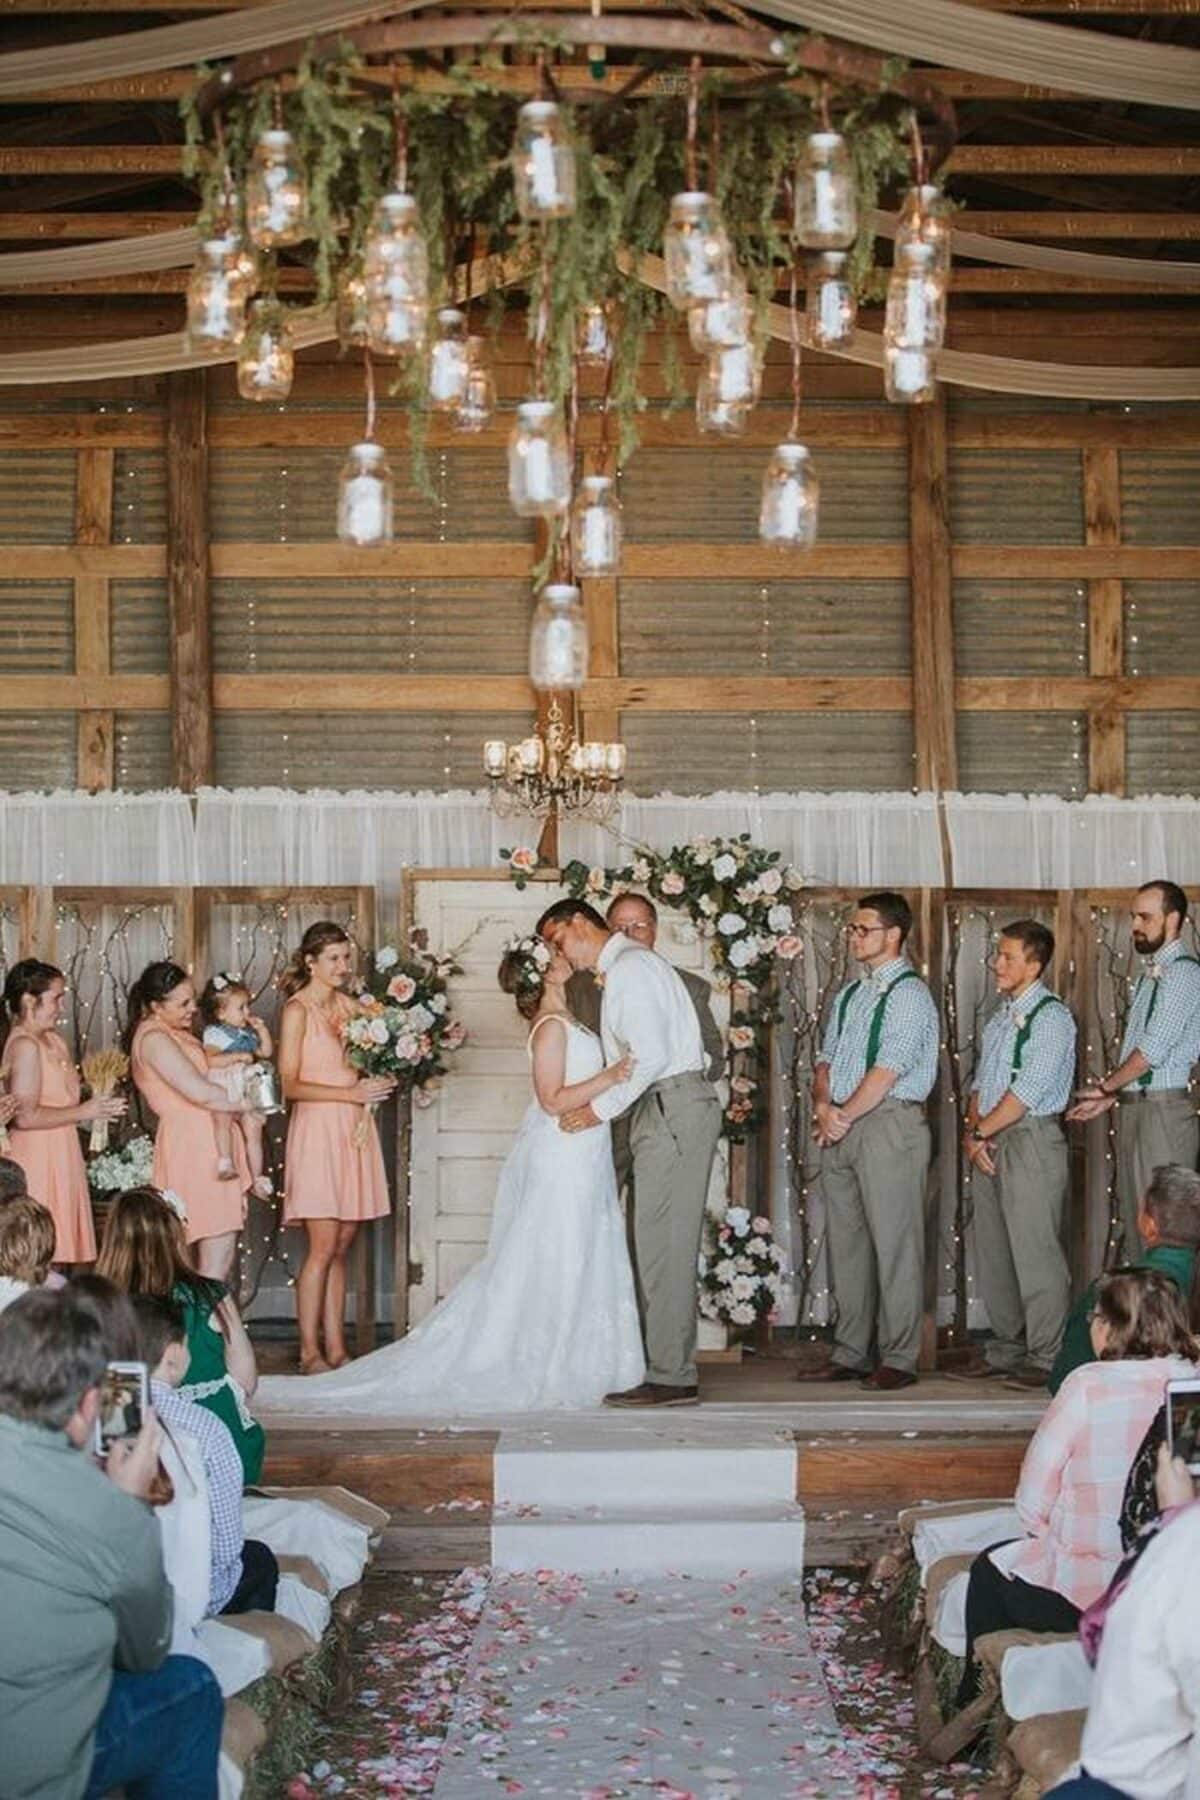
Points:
(547, 1319)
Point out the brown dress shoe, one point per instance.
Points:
(831, 1372)
(1027, 1376)
(886, 1380)
(980, 1371)
(652, 1393)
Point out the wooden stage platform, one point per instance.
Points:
(859, 1456)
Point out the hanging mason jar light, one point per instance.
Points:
(276, 193)
(826, 195)
(216, 299)
(915, 315)
(396, 272)
(543, 163)
(925, 218)
(720, 324)
(697, 252)
(353, 324)
(448, 360)
(558, 639)
(736, 374)
(539, 471)
(593, 339)
(478, 403)
(790, 495)
(596, 527)
(714, 414)
(908, 376)
(830, 309)
(364, 513)
(266, 360)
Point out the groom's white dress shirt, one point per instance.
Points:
(647, 1010)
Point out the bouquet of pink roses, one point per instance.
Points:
(404, 1027)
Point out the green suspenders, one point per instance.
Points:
(1143, 1081)
(875, 1034)
(1025, 1028)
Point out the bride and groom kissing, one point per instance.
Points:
(555, 1315)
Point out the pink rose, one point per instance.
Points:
(761, 1226)
(456, 1034)
(524, 860)
(401, 988)
(672, 883)
(741, 1037)
(788, 947)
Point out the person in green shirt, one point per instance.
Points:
(1169, 1227)
(90, 1699)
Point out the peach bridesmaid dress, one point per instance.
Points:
(53, 1160)
(185, 1146)
(328, 1175)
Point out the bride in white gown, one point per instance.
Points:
(548, 1318)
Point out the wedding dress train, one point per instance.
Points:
(547, 1319)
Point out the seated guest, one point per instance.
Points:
(1142, 1735)
(1073, 1476)
(144, 1252)
(13, 1181)
(26, 1248)
(1169, 1227)
(245, 1574)
(82, 1587)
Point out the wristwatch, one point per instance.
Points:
(976, 1135)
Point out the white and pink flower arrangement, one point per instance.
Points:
(404, 1027)
(741, 1268)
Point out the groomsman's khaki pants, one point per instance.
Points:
(874, 1188)
(1023, 1273)
(673, 1133)
(1151, 1129)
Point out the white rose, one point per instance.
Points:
(387, 958)
(748, 893)
(796, 880)
(729, 924)
(701, 851)
(738, 1220)
(418, 1018)
(742, 1084)
(726, 1269)
(770, 881)
(743, 952)
(742, 1315)
(377, 1031)
(408, 1047)
(596, 881)
(756, 1247)
(780, 918)
(672, 883)
(708, 906)
(725, 867)
(641, 870)
(437, 1003)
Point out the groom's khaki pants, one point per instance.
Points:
(673, 1132)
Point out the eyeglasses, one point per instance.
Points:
(636, 928)
(863, 931)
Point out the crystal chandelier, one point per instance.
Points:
(552, 772)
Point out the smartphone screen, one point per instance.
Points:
(1183, 1422)
(124, 1397)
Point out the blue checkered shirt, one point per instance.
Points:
(1170, 1042)
(1044, 1081)
(908, 1044)
(223, 1467)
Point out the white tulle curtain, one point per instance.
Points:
(266, 836)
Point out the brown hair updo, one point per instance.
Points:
(520, 976)
(318, 937)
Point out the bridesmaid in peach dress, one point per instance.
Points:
(44, 1087)
(334, 1184)
(170, 1072)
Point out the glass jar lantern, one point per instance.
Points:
(448, 360)
(714, 414)
(364, 514)
(593, 339)
(266, 360)
(696, 250)
(925, 218)
(478, 403)
(353, 325)
(276, 193)
(908, 376)
(736, 374)
(787, 515)
(558, 640)
(826, 213)
(915, 315)
(216, 300)
(539, 472)
(596, 527)
(543, 163)
(720, 324)
(830, 309)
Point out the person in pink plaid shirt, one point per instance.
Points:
(1074, 1473)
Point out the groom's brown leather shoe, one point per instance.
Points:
(652, 1393)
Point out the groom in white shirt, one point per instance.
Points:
(675, 1121)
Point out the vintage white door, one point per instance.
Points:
(460, 1142)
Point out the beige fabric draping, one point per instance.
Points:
(1011, 253)
(1025, 50)
(114, 256)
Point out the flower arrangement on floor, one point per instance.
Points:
(741, 1268)
(737, 896)
(126, 1165)
(405, 1028)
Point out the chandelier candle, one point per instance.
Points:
(790, 496)
(543, 163)
(365, 496)
(596, 527)
(276, 193)
(830, 307)
(558, 640)
(908, 376)
(696, 251)
(826, 216)
(448, 360)
(539, 473)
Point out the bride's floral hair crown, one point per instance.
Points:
(531, 957)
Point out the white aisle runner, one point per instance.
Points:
(594, 1688)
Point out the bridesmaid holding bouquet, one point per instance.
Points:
(335, 1175)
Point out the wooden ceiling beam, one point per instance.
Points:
(1076, 8)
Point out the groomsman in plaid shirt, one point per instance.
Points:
(1018, 1154)
(1156, 1120)
(875, 1070)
